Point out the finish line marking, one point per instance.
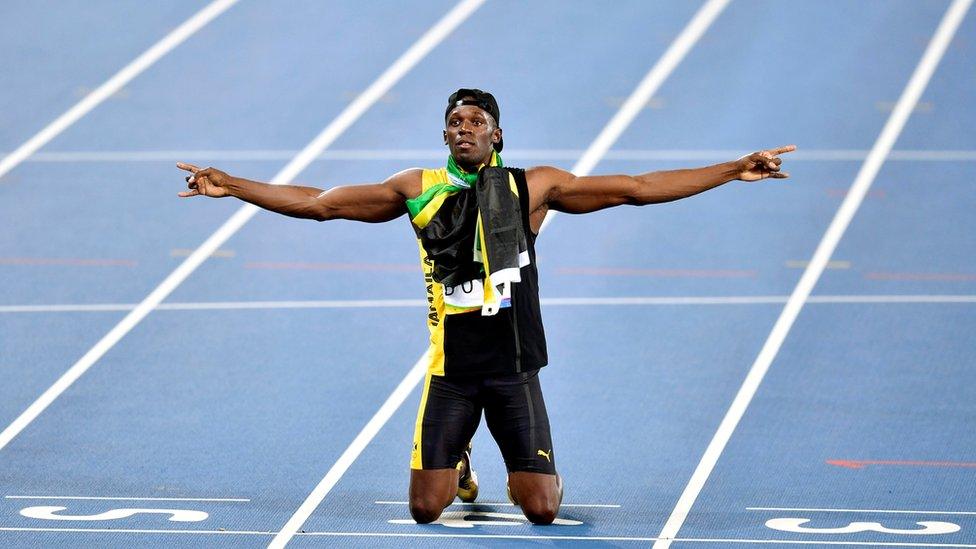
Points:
(831, 510)
(114, 498)
(483, 536)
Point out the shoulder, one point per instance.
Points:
(543, 181)
(407, 183)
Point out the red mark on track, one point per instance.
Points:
(69, 261)
(951, 277)
(862, 463)
(667, 273)
(397, 267)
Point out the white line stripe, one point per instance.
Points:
(842, 155)
(886, 140)
(115, 83)
(484, 536)
(134, 531)
(648, 86)
(898, 511)
(345, 119)
(509, 504)
(417, 372)
(546, 302)
(811, 542)
(113, 498)
(411, 57)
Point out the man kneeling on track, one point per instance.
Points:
(476, 222)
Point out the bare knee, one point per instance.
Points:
(425, 510)
(540, 510)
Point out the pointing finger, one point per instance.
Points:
(784, 149)
(187, 167)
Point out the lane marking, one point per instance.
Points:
(115, 83)
(51, 512)
(647, 87)
(811, 542)
(546, 302)
(833, 264)
(117, 498)
(133, 531)
(831, 510)
(604, 140)
(862, 463)
(862, 183)
(329, 134)
(508, 504)
(487, 536)
(184, 252)
(697, 155)
(944, 277)
(69, 261)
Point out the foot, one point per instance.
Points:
(467, 478)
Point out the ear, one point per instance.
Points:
(496, 135)
(445, 137)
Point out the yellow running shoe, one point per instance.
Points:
(467, 478)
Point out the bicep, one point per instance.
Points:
(372, 203)
(591, 193)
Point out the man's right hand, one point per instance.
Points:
(206, 181)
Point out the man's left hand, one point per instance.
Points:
(762, 164)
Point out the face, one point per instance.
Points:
(470, 134)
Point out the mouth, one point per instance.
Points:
(464, 145)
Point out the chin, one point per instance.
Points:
(470, 158)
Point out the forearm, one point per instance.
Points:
(290, 200)
(665, 186)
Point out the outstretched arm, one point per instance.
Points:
(565, 192)
(374, 203)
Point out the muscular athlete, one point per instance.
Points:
(473, 137)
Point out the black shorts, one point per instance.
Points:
(450, 411)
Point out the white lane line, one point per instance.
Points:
(434, 36)
(706, 155)
(486, 536)
(340, 124)
(115, 83)
(546, 302)
(509, 504)
(134, 531)
(862, 183)
(811, 542)
(825, 510)
(114, 498)
(651, 82)
(592, 155)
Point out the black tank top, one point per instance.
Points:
(511, 341)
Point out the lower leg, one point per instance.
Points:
(431, 490)
(538, 494)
